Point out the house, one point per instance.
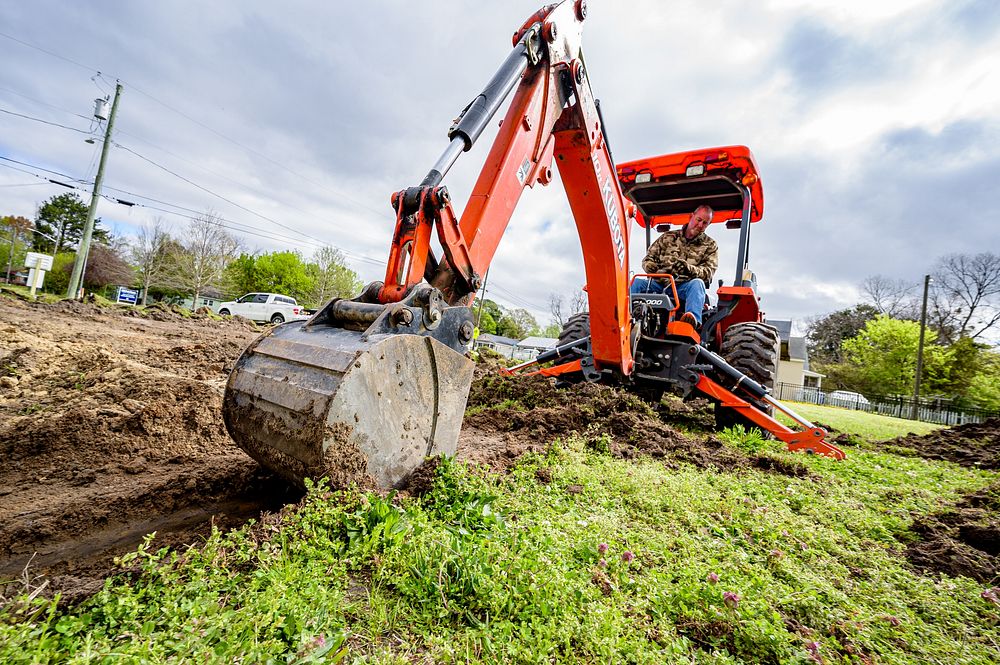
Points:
(505, 346)
(793, 367)
(210, 298)
(17, 276)
(529, 347)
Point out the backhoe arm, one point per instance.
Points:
(552, 115)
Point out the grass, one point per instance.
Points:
(608, 560)
(870, 426)
(24, 293)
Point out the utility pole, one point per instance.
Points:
(76, 279)
(920, 351)
(479, 317)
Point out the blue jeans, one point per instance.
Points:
(691, 293)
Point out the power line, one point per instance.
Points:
(232, 225)
(54, 124)
(339, 194)
(44, 103)
(274, 221)
(217, 195)
(250, 230)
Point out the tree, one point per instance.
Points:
(884, 356)
(969, 285)
(552, 330)
(517, 323)
(277, 272)
(57, 279)
(199, 260)
(892, 297)
(562, 308)
(63, 217)
(150, 255)
(105, 267)
(826, 334)
(486, 322)
(331, 277)
(984, 388)
(18, 231)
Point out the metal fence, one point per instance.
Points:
(931, 410)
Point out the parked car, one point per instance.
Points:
(272, 307)
(810, 394)
(847, 399)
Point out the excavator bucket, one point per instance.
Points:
(361, 393)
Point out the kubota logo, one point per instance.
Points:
(611, 206)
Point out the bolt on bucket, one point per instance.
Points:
(319, 399)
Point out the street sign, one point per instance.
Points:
(36, 260)
(38, 264)
(128, 296)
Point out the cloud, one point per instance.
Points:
(871, 122)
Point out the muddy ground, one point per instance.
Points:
(973, 444)
(111, 428)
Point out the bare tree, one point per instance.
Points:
(200, 259)
(150, 255)
(893, 297)
(331, 277)
(969, 285)
(562, 308)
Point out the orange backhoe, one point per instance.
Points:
(370, 386)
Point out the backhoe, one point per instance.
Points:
(369, 387)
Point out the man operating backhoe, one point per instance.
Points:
(688, 254)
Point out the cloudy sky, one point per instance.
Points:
(876, 125)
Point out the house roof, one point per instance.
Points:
(496, 339)
(538, 343)
(784, 328)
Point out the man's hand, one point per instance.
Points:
(681, 267)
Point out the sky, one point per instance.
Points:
(875, 125)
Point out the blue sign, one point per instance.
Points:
(129, 296)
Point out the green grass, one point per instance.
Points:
(870, 426)
(609, 560)
(24, 293)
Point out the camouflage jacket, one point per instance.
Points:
(684, 259)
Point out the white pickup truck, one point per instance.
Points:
(272, 307)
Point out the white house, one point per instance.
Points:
(793, 368)
(505, 346)
(529, 347)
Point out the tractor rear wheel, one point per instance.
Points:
(754, 349)
(576, 327)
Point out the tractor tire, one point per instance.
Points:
(754, 349)
(576, 327)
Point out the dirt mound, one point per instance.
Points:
(111, 428)
(963, 540)
(973, 444)
(508, 416)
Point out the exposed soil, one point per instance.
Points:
(973, 444)
(111, 428)
(509, 416)
(962, 540)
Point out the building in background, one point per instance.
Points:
(793, 368)
(503, 345)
